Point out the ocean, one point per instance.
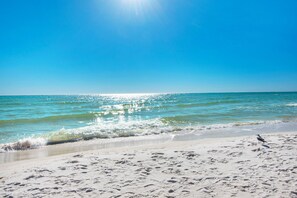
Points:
(43, 120)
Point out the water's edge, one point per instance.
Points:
(95, 144)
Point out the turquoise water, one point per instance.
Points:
(56, 119)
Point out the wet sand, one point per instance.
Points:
(216, 167)
(81, 146)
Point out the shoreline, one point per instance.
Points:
(211, 167)
(95, 144)
(81, 146)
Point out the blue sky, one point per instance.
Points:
(123, 46)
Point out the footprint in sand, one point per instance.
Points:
(87, 190)
(235, 154)
(33, 176)
(81, 166)
(78, 155)
(72, 162)
(42, 170)
(172, 181)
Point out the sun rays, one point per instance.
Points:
(139, 8)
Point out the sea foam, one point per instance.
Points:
(292, 105)
(23, 144)
(107, 130)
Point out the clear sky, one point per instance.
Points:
(122, 46)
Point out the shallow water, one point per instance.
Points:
(56, 119)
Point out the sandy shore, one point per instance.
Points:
(221, 167)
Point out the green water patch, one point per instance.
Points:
(83, 116)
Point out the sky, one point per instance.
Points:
(147, 46)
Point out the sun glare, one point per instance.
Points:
(138, 7)
(136, 3)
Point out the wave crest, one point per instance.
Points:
(24, 144)
(292, 105)
(104, 129)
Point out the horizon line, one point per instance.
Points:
(147, 93)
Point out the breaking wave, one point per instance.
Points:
(103, 130)
(23, 144)
(292, 105)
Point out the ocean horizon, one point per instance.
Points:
(142, 93)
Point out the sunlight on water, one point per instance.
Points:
(67, 118)
(130, 96)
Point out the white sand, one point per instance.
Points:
(225, 167)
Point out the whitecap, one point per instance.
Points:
(24, 144)
(292, 105)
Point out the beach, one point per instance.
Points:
(209, 167)
(148, 99)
